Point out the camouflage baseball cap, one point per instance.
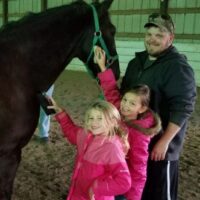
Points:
(163, 21)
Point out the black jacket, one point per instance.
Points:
(173, 91)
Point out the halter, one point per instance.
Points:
(98, 37)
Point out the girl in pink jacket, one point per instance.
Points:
(141, 122)
(100, 170)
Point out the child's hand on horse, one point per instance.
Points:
(54, 106)
(100, 57)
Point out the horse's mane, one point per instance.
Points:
(36, 21)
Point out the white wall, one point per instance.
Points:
(127, 48)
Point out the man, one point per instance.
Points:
(173, 93)
(44, 121)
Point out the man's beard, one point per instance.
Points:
(152, 53)
(157, 53)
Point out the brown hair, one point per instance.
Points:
(141, 90)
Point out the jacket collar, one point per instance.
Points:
(169, 52)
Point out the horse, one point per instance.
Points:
(33, 53)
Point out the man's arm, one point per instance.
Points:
(160, 148)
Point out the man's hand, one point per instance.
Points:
(159, 150)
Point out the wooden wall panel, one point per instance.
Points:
(130, 13)
(128, 23)
(189, 23)
(54, 3)
(66, 1)
(177, 3)
(137, 4)
(196, 24)
(154, 4)
(115, 5)
(136, 23)
(129, 4)
(121, 24)
(36, 5)
(114, 19)
(13, 7)
(191, 3)
(25, 5)
(145, 4)
(179, 26)
(122, 5)
(185, 13)
(18, 8)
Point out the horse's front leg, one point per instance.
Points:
(8, 167)
(14, 135)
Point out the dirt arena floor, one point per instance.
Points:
(45, 169)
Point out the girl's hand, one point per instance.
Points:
(54, 106)
(91, 194)
(100, 58)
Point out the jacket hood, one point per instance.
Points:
(151, 131)
(171, 53)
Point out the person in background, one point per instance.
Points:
(44, 121)
(100, 170)
(141, 122)
(173, 93)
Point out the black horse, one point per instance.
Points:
(33, 53)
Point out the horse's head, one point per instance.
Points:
(100, 31)
(56, 36)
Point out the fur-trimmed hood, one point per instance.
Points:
(153, 130)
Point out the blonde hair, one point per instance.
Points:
(112, 120)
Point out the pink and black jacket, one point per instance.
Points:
(100, 163)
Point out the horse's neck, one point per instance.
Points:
(52, 65)
(60, 47)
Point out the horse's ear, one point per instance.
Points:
(106, 4)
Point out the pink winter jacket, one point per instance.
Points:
(138, 153)
(100, 163)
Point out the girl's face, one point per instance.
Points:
(96, 122)
(131, 106)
